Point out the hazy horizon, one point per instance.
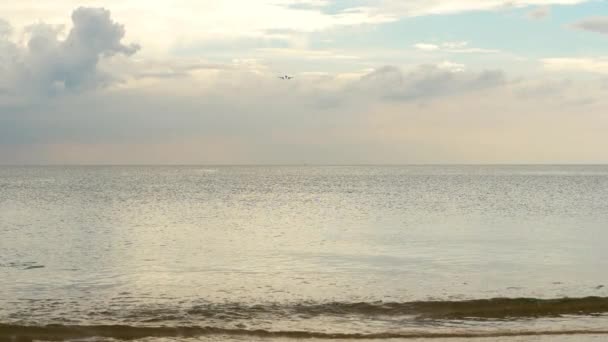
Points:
(310, 164)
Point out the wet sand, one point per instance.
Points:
(163, 334)
(565, 338)
(570, 338)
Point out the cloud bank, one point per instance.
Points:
(426, 81)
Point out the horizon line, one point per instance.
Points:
(294, 164)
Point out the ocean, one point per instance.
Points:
(198, 253)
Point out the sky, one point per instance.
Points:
(374, 82)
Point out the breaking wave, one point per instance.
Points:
(125, 332)
(497, 308)
(480, 309)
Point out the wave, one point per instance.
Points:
(125, 332)
(128, 325)
(28, 265)
(479, 308)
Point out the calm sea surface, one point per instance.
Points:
(297, 252)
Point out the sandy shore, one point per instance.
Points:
(564, 338)
(555, 338)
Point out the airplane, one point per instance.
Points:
(285, 77)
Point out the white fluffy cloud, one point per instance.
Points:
(47, 64)
(160, 25)
(426, 47)
(452, 47)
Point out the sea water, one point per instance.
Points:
(267, 252)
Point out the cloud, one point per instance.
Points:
(455, 45)
(47, 64)
(5, 29)
(308, 54)
(95, 33)
(540, 12)
(258, 119)
(594, 24)
(160, 25)
(7, 48)
(173, 69)
(308, 4)
(451, 66)
(452, 47)
(439, 7)
(400, 8)
(592, 65)
(229, 107)
(426, 47)
(424, 114)
(549, 89)
(427, 81)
